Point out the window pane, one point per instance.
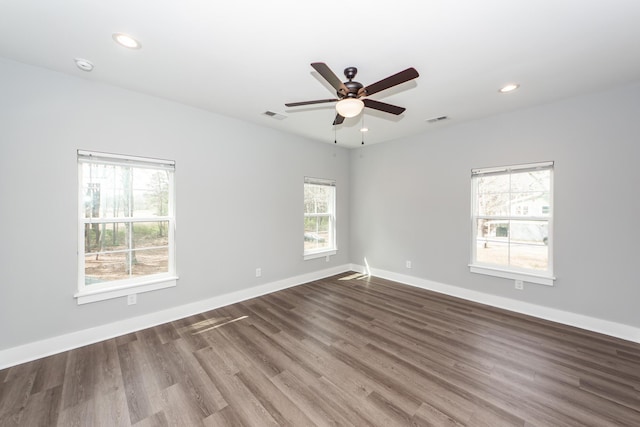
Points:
(493, 184)
(531, 181)
(316, 232)
(150, 234)
(493, 229)
(530, 232)
(121, 191)
(105, 267)
(92, 237)
(495, 204)
(317, 198)
(92, 199)
(492, 251)
(114, 236)
(309, 198)
(107, 190)
(114, 266)
(530, 204)
(534, 257)
(150, 261)
(150, 192)
(513, 243)
(106, 237)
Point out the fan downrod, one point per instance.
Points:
(350, 72)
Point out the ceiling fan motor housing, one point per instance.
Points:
(354, 87)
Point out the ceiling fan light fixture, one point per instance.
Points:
(349, 107)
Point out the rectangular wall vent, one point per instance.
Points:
(437, 119)
(277, 116)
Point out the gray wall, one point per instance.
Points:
(239, 198)
(411, 201)
(239, 190)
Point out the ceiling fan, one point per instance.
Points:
(352, 95)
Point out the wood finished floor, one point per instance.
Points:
(340, 351)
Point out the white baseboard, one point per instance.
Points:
(35, 350)
(606, 327)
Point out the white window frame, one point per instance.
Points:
(512, 272)
(133, 285)
(333, 247)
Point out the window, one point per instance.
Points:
(319, 218)
(126, 227)
(512, 222)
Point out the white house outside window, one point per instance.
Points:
(126, 227)
(319, 218)
(512, 222)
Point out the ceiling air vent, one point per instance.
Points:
(437, 119)
(277, 116)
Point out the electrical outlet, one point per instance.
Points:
(258, 272)
(519, 285)
(328, 258)
(408, 264)
(132, 299)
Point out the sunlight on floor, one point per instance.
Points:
(354, 276)
(213, 325)
(359, 276)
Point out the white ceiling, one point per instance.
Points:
(242, 58)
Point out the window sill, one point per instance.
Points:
(513, 275)
(326, 253)
(88, 296)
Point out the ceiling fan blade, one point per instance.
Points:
(383, 106)
(396, 79)
(324, 70)
(318, 101)
(339, 119)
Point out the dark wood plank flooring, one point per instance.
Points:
(347, 350)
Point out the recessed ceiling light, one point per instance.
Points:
(509, 88)
(364, 129)
(84, 64)
(126, 41)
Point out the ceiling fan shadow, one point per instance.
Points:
(400, 88)
(317, 107)
(382, 115)
(323, 82)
